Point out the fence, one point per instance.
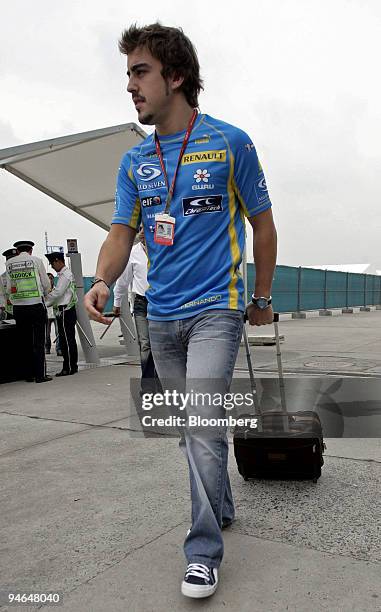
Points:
(299, 289)
(87, 280)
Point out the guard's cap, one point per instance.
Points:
(23, 243)
(55, 255)
(10, 253)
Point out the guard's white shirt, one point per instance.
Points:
(43, 281)
(62, 293)
(135, 273)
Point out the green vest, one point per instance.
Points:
(73, 300)
(24, 283)
(74, 297)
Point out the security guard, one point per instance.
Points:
(64, 298)
(27, 284)
(6, 307)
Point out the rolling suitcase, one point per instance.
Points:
(284, 445)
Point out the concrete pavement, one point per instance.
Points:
(91, 510)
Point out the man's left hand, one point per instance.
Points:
(256, 316)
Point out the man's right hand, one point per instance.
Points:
(95, 300)
(116, 310)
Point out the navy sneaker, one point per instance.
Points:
(199, 581)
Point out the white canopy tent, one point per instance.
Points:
(79, 170)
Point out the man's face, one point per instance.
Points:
(56, 265)
(151, 93)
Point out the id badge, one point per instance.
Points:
(164, 229)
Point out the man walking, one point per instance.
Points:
(64, 298)
(27, 284)
(191, 183)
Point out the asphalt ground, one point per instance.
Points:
(93, 511)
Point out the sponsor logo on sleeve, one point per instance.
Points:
(249, 147)
(151, 201)
(203, 156)
(207, 204)
(261, 190)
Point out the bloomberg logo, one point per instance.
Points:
(196, 206)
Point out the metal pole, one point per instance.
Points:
(127, 328)
(299, 288)
(364, 290)
(85, 336)
(132, 347)
(325, 290)
(85, 331)
(347, 292)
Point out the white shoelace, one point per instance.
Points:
(197, 569)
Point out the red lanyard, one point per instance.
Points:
(171, 189)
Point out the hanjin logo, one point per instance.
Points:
(148, 172)
(152, 201)
(195, 206)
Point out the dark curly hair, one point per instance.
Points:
(173, 49)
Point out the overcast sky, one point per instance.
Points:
(300, 76)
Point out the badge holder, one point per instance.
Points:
(164, 229)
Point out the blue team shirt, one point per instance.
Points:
(220, 181)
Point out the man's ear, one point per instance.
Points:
(176, 81)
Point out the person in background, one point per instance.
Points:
(6, 308)
(27, 285)
(64, 298)
(51, 320)
(135, 275)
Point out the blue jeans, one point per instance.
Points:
(202, 347)
(149, 375)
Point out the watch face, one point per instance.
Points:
(262, 303)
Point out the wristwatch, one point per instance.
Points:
(261, 302)
(99, 280)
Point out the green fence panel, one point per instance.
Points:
(356, 290)
(312, 289)
(87, 280)
(297, 289)
(336, 289)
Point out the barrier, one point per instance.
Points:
(297, 289)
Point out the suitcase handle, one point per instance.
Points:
(275, 319)
(280, 370)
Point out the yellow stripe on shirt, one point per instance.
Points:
(234, 245)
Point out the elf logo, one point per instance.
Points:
(195, 206)
(151, 201)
